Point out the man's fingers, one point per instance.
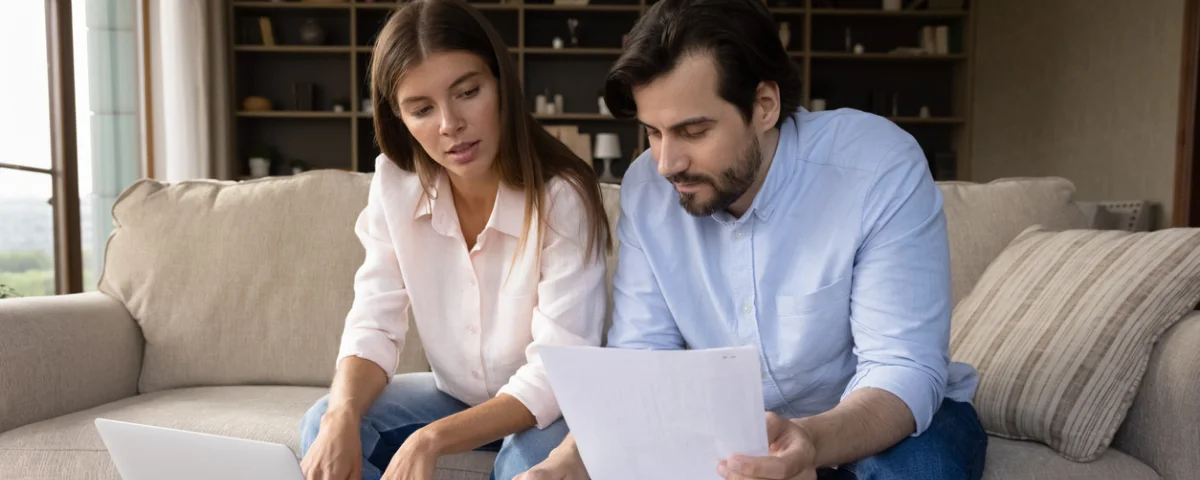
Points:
(724, 471)
(772, 468)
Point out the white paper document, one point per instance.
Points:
(659, 415)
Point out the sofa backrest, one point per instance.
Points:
(982, 218)
(248, 283)
(239, 283)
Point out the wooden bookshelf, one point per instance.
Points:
(337, 69)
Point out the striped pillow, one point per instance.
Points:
(1062, 324)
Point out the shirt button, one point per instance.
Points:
(739, 234)
(746, 308)
(476, 374)
(473, 329)
(471, 282)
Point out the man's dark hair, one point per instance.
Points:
(741, 36)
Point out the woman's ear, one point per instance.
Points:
(766, 105)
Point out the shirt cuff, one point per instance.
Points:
(374, 347)
(915, 388)
(539, 399)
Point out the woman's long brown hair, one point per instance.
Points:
(528, 155)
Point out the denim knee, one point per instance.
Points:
(310, 425)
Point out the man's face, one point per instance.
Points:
(701, 142)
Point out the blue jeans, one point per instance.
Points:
(953, 447)
(412, 401)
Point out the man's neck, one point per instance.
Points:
(767, 148)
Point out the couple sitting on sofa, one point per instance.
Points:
(817, 237)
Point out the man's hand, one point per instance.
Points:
(563, 463)
(792, 456)
(416, 459)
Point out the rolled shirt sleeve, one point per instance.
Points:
(900, 298)
(376, 325)
(571, 300)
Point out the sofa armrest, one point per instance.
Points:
(63, 354)
(1162, 428)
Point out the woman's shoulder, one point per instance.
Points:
(393, 179)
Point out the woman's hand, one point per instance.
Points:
(336, 454)
(416, 459)
(564, 463)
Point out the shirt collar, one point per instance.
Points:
(782, 164)
(508, 213)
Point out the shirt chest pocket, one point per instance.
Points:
(834, 297)
(812, 330)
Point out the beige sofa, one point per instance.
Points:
(221, 306)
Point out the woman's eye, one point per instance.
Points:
(422, 112)
(471, 93)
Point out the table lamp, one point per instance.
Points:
(608, 148)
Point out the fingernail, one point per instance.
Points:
(721, 470)
(735, 465)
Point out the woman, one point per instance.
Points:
(491, 230)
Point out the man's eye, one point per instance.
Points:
(693, 134)
(652, 133)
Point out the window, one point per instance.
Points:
(74, 87)
(27, 242)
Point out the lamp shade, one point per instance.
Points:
(608, 145)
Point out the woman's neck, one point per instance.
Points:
(474, 195)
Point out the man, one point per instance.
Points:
(817, 237)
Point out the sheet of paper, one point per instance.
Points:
(663, 415)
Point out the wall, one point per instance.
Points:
(1067, 88)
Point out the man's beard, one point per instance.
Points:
(733, 183)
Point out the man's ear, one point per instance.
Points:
(766, 106)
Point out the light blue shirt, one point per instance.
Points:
(839, 272)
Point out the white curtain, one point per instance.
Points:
(191, 98)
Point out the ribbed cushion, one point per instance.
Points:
(1061, 327)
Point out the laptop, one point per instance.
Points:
(144, 452)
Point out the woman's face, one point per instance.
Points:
(451, 105)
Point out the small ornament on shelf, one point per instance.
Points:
(603, 106)
(311, 32)
(256, 104)
(260, 167)
(573, 27)
(608, 148)
(341, 105)
(785, 34)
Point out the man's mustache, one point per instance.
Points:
(684, 177)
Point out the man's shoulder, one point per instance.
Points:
(850, 138)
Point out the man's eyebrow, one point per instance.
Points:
(461, 79)
(684, 123)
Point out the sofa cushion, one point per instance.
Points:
(982, 218)
(1013, 459)
(69, 447)
(1061, 327)
(239, 283)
